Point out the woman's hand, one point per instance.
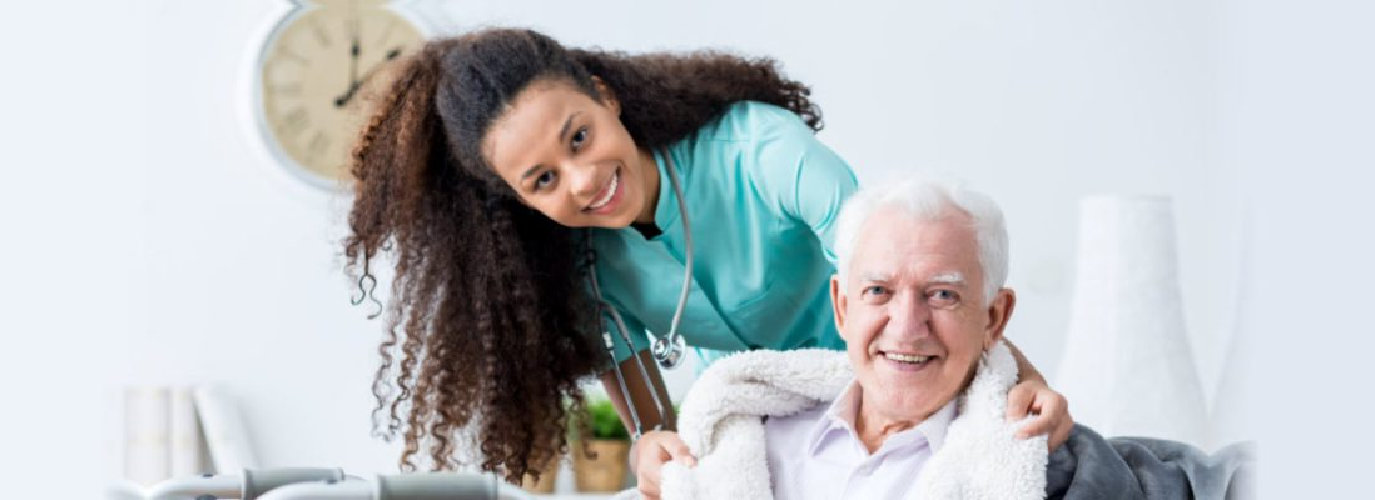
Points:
(649, 455)
(1033, 396)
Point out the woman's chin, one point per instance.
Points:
(610, 221)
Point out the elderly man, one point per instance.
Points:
(915, 407)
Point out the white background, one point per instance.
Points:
(148, 239)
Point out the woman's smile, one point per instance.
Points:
(609, 198)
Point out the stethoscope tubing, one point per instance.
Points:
(668, 351)
(671, 348)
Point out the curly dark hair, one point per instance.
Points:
(497, 328)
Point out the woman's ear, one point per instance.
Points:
(608, 98)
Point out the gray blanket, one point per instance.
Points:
(1091, 467)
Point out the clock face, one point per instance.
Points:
(318, 78)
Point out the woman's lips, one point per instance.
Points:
(608, 201)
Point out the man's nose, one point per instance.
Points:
(909, 316)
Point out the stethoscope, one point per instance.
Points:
(668, 350)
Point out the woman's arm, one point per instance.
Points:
(1025, 372)
(802, 177)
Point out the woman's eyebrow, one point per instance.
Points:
(563, 132)
(567, 123)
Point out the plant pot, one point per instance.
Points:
(548, 475)
(604, 472)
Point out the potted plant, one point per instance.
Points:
(548, 475)
(601, 460)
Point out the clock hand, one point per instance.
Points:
(354, 47)
(344, 98)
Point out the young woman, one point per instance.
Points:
(513, 179)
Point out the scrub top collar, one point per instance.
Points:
(666, 210)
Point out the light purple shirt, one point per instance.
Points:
(817, 454)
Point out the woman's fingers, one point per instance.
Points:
(649, 458)
(1062, 430)
(678, 450)
(653, 449)
(1050, 408)
(1019, 400)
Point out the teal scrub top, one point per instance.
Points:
(762, 196)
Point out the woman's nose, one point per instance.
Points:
(582, 179)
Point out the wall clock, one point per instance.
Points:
(316, 78)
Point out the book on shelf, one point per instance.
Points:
(181, 431)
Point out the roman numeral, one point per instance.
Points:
(295, 121)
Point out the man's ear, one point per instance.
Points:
(608, 98)
(999, 312)
(838, 302)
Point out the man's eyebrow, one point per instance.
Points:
(563, 132)
(875, 276)
(952, 277)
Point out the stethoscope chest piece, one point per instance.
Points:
(668, 351)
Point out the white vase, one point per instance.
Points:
(1128, 369)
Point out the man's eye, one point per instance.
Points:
(579, 138)
(544, 179)
(873, 290)
(942, 298)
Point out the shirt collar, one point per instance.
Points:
(666, 210)
(837, 417)
(934, 427)
(840, 417)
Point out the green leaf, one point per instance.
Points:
(605, 422)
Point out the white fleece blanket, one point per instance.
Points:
(720, 422)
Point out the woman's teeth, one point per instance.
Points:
(610, 192)
(904, 358)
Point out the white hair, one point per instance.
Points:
(928, 198)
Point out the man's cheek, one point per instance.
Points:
(873, 326)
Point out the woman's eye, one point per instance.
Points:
(943, 298)
(579, 138)
(544, 179)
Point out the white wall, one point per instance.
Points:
(153, 242)
(72, 294)
(1299, 120)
